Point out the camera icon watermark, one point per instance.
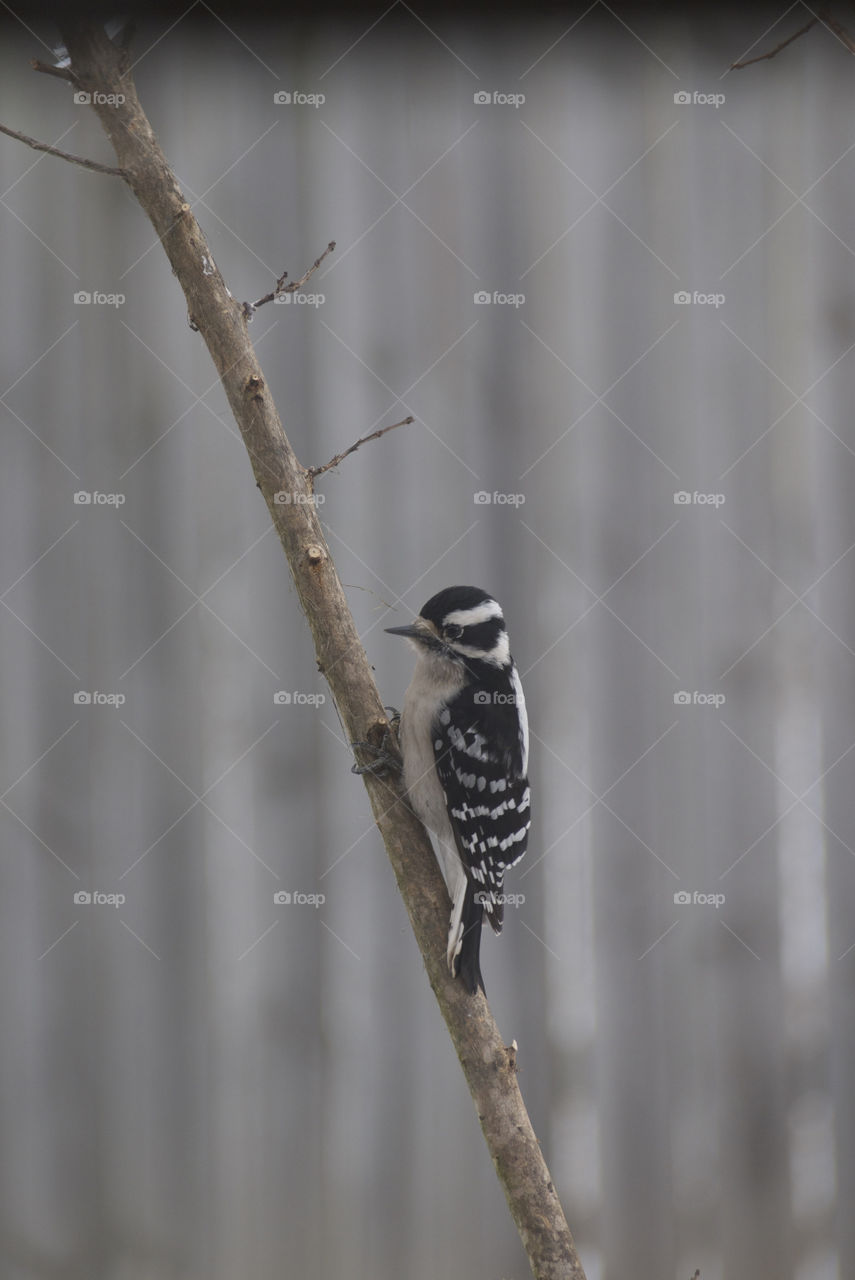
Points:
(682, 898)
(483, 98)
(284, 698)
(484, 499)
(500, 899)
(483, 298)
(285, 898)
(486, 697)
(293, 98)
(682, 698)
(682, 98)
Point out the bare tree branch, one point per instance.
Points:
(281, 287)
(63, 155)
(311, 472)
(763, 57)
(49, 69)
(821, 16)
(836, 29)
(103, 68)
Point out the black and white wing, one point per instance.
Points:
(481, 753)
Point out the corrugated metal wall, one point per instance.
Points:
(205, 1082)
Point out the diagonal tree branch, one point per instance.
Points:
(836, 29)
(771, 53)
(63, 155)
(103, 68)
(823, 17)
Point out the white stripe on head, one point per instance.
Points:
(472, 617)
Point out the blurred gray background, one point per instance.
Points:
(203, 1082)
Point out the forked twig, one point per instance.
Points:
(249, 308)
(312, 472)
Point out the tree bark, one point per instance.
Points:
(102, 68)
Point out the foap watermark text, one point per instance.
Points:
(285, 898)
(283, 698)
(484, 298)
(85, 498)
(84, 99)
(682, 498)
(484, 499)
(495, 98)
(95, 298)
(301, 299)
(682, 298)
(682, 698)
(683, 98)
(285, 499)
(294, 98)
(504, 899)
(83, 898)
(94, 698)
(683, 898)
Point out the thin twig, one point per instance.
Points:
(48, 69)
(312, 472)
(836, 29)
(763, 57)
(249, 308)
(94, 165)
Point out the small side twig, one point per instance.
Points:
(50, 69)
(249, 308)
(836, 29)
(312, 472)
(763, 57)
(94, 165)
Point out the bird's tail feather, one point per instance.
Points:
(468, 960)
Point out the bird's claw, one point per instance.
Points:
(387, 758)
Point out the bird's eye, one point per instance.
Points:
(452, 633)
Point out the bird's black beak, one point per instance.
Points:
(411, 631)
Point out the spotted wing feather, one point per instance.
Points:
(486, 792)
